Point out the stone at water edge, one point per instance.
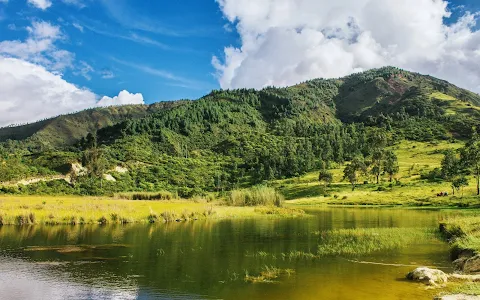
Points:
(457, 297)
(428, 276)
(472, 265)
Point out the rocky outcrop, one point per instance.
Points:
(428, 276)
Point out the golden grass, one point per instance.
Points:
(22, 210)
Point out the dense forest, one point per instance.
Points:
(236, 138)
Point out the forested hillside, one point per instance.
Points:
(235, 138)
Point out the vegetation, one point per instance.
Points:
(230, 140)
(462, 232)
(364, 241)
(256, 196)
(92, 210)
(268, 274)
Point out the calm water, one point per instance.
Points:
(209, 259)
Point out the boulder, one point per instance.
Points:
(109, 177)
(428, 276)
(472, 265)
(457, 297)
(459, 263)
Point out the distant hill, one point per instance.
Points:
(65, 130)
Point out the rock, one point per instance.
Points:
(78, 170)
(459, 263)
(109, 177)
(121, 170)
(428, 276)
(472, 265)
(457, 297)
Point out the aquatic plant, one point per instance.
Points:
(362, 241)
(267, 274)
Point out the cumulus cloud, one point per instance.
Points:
(284, 42)
(124, 97)
(30, 92)
(42, 4)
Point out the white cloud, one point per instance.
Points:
(78, 26)
(30, 92)
(42, 4)
(107, 74)
(284, 42)
(84, 69)
(78, 3)
(124, 97)
(39, 47)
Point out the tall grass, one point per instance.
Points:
(256, 196)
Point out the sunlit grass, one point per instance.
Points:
(463, 231)
(23, 210)
(407, 189)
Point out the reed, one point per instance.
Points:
(256, 196)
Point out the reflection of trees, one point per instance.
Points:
(193, 256)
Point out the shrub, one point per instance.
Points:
(102, 220)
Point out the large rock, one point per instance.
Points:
(457, 297)
(472, 265)
(428, 276)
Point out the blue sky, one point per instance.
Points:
(60, 56)
(119, 39)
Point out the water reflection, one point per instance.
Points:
(208, 259)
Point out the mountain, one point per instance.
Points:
(66, 130)
(231, 138)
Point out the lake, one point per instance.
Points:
(209, 259)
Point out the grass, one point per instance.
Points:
(363, 241)
(267, 275)
(25, 210)
(355, 242)
(462, 231)
(408, 189)
(256, 196)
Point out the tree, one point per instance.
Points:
(377, 163)
(391, 164)
(450, 167)
(325, 177)
(353, 170)
(470, 158)
(459, 182)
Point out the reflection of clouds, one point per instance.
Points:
(22, 279)
(26, 280)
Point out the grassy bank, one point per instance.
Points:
(23, 210)
(463, 231)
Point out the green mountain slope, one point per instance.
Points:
(239, 137)
(66, 130)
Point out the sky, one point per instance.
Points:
(62, 56)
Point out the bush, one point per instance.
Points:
(255, 196)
